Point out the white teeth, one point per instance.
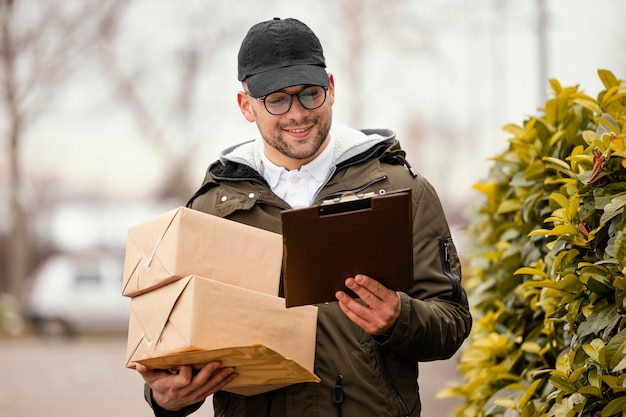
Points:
(298, 130)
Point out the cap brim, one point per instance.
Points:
(262, 84)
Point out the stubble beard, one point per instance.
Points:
(276, 141)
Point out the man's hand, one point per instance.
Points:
(381, 309)
(175, 391)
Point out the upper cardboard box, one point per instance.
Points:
(271, 346)
(183, 241)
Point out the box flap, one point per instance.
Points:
(149, 315)
(201, 313)
(182, 242)
(244, 317)
(260, 368)
(143, 243)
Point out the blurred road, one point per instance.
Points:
(86, 377)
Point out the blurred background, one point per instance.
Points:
(111, 110)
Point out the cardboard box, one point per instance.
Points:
(200, 314)
(183, 241)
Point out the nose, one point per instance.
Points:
(297, 109)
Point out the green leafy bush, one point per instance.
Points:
(548, 262)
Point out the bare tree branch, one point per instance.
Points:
(39, 45)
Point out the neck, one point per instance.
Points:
(289, 163)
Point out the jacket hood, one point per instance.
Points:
(348, 143)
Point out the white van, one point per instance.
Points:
(78, 293)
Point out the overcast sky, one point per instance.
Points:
(460, 70)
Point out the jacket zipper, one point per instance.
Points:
(338, 394)
(394, 387)
(444, 253)
(227, 405)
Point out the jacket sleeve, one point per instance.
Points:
(435, 318)
(161, 412)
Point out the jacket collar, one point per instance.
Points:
(348, 144)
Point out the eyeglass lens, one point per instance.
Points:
(310, 98)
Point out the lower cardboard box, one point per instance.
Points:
(198, 319)
(260, 368)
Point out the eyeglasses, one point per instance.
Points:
(279, 102)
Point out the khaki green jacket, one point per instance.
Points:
(378, 376)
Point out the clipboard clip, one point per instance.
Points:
(347, 202)
(352, 201)
(348, 197)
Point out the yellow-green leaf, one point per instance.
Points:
(595, 350)
(590, 105)
(514, 130)
(531, 271)
(560, 199)
(608, 79)
(508, 206)
(528, 394)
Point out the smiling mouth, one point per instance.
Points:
(299, 131)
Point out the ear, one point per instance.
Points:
(331, 89)
(245, 105)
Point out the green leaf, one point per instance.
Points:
(514, 130)
(556, 85)
(546, 283)
(529, 393)
(589, 105)
(502, 399)
(589, 137)
(612, 209)
(615, 350)
(576, 373)
(508, 206)
(595, 350)
(606, 124)
(531, 271)
(620, 249)
(612, 382)
(564, 259)
(549, 296)
(560, 199)
(608, 79)
(563, 384)
(594, 378)
(598, 321)
(535, 170)
(616, 406)
(620, 366)
(600, 285)
(558, 164)
(589, 390)
(604, 195)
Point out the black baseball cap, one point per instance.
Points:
(281, 53)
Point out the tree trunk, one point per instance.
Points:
(17, 243)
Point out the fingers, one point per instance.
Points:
(211, 373)
(370, 290)
(381, 309)
(173, 391)
(365, 289)
(150, 375)
(209, 380)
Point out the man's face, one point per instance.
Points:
(296, 137)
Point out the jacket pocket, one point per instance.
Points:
(447, 253)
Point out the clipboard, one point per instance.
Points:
(369, 234)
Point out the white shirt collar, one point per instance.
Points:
(317, 168)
